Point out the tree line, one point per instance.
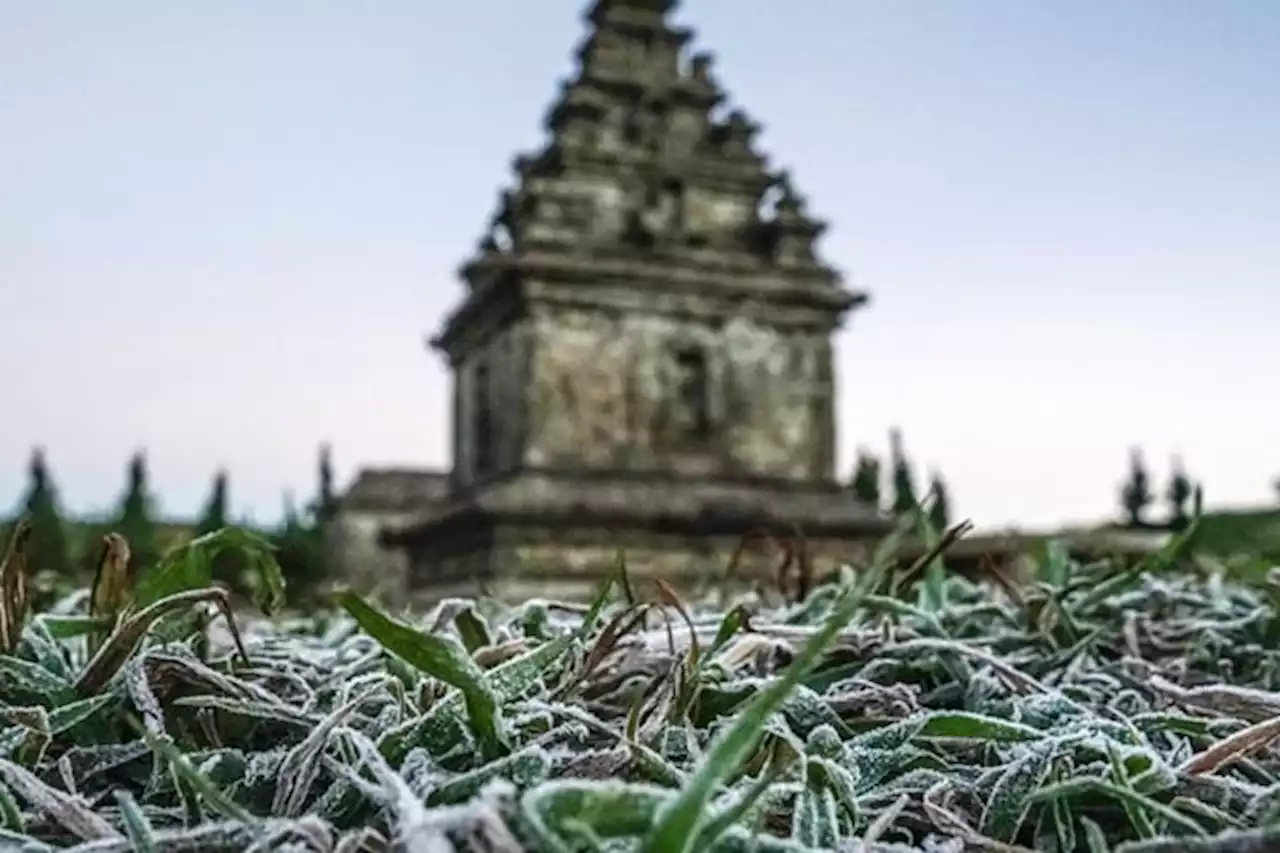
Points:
(299, 538)
(896, 492)
(1138, 496)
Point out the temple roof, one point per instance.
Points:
(396, 489)
(647, 168)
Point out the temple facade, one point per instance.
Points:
(641, 356)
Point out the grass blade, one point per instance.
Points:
(440, 657)
(13, 586)
(109, 594)
(678, 829)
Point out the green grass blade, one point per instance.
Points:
(136, 825)
(190, 567)
(439, 657)
(678, 829)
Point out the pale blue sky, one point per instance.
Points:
(226, 228)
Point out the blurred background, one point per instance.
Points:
(227, 228)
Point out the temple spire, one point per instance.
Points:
(643, 166)
(633, 13)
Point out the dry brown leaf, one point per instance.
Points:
(671, 599)
(754, 539)
(795, 572)
(127, 634)
(1242, 743)
(491, 656)
(617, 628)
(13, 586)
(111, 585)
(1245, 703)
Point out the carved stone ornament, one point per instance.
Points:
(683, 415)
(612, 134)
(503, 234)
(647, 125)
(683, 132)
(738, 134)
(796, 232)
(700, 69)
(791, 207)
(660, 219)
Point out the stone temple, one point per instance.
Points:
(641, 357)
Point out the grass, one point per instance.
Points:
(1247, 539)
(1092, 708)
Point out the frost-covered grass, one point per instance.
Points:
(1092, 708)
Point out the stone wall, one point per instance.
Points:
(606, 392)
(569, 565)
(577, 388)
(362, 561)
(379, 500)
(493, 374)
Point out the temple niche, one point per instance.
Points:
(641, 354)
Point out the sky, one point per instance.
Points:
(227, 229)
